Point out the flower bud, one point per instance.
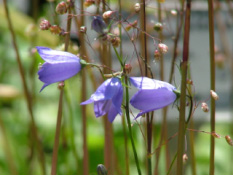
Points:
(214, 95)
(115, 41)
(61, 85)
(55, 29)
(137, 7)
(158, 27)
(229, 140)
(107, 14)
(88, 3)
(31, 30)
(188, 81)
(98, 25)
(216, 135)
(157, 55)
(61, 8)
(101, 170)
(163, 48)
(204, 107)
(128, 68)
(185, 158)
(83, 29)
(44, 24)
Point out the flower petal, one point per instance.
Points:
(54, 72)
(102, 107)
(148, 83)
(98, 24)
(55, 56)
(152, 99)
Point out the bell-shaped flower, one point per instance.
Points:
(107, 99)
(58, 66)
(152, 94)
(98, 25)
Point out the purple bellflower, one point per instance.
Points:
(98, 25)
(58, 66)
(107, 99)
(152, 94)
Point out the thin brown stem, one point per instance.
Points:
(26, 92)
(184, 65)
(212, 85)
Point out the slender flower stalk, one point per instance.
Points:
(212, 85)
(59, 114)
(184, 65)
(26, 92)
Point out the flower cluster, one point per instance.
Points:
(151, 95)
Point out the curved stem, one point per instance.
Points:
(26, 92)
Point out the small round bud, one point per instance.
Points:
(31, 30)
(214, 95)
(61, 85)
(44, 24)
(185, 158)
(128, 68)
(229, 140)
(88, 3)
(107, 14)
(204, 107)
(137, 7)
(61, 8)
(188, 81)
(216, 135)
(135, 23)
(115, 41)
(157, 55)
(55, 29)
(128, 27)
(163, 48)
(220, 60)
(174, 12)
(158, 27)
(101, 170)
(83, 29)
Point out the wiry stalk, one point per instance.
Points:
(184, 65)
(212, 85)
(59, 114)
(26, 92)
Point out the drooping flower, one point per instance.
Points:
(98, 25)
(58, 66)
(107, 99)
(152, 94)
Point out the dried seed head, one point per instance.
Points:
(157, 55)
(55, 29)
(115, 41)
(61, 8)
(137, 7)
(229, 140)
(185, 158)
(88, 3)
(128, 68)
(158, 27)
(44, 24)
(216, 135)
(214, 95)
(101, 170)
(107, 14)
(204, 107)
(163, 48)
(83, 29)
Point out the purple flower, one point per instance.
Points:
(152, 94)
(107, 99)
(58, 66)
(98, 25)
